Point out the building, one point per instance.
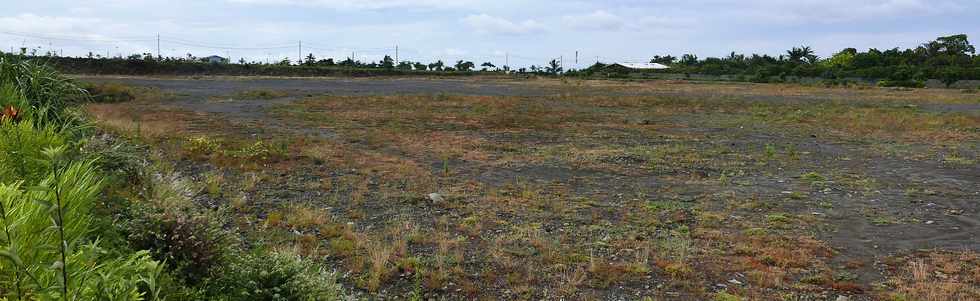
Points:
(637, 66)
(214, 59)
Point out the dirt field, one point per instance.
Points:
(551, 189)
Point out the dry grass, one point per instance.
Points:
(577, 195)
(154, 124)
(935, 276)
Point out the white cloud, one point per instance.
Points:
(454, 52)
(47, 24)
(363, 4)
(833, 11)
(598, 20)
(484, 23)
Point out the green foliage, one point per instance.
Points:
(193, 244)
(47, 245)
(904, 83)
(274, 276)
(202, 145)
(109, 92)
(464, 65)
(950, 76)
(949, 58)
(723, 296)
(22, 146)
(46, 91)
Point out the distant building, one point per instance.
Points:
(637, 66)
(626, 69)
(214, 59)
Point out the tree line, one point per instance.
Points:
(948, 59)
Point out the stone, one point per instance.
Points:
(436, 198)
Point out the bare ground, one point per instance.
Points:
(868, 195)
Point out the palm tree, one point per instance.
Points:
(799, 54)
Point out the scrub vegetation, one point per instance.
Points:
(573, 189)
(86, 216)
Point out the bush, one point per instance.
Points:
(22, 145)
(48, 250)
(277, 275)
(906, 83)
(192, 244)
(110, 92)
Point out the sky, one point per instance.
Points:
(521, 33)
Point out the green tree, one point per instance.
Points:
(802, 54)
(404, 65)
(950, 75)
(843, 59)
(420, 66)
(437, 66)
(464, 65)
(387, 62)
(666, 60)
(310, 60)
(487, 65)
(554, 67)
(326, 62)
(954, 45)
(689, 60)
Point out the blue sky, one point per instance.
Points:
(528, 32)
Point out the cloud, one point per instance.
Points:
(48, 24)
(488, 24)
(598, 20)
(363, 4)
(835, 11)
(453, 52)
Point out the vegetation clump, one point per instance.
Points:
(86, 218)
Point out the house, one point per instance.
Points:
(625, 69)
(214, 59)
(636, 66)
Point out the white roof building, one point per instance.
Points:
(643, 66)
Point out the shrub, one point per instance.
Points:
(22, 144)
(906, 83)
(48, 251)
(109, 92)
(279, 275)
(193, 244)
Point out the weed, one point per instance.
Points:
(260, 94)
(770, 151)
(813, 178)
(213, 181)
(380, 254)
(777, 220)
(723, 296)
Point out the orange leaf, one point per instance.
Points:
(9, 112)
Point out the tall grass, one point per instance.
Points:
(41, 89)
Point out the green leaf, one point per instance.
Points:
(11, 255)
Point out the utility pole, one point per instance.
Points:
(396, 55)
(300, 60)
(158, 47)
(576, 58)
(507, 59)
